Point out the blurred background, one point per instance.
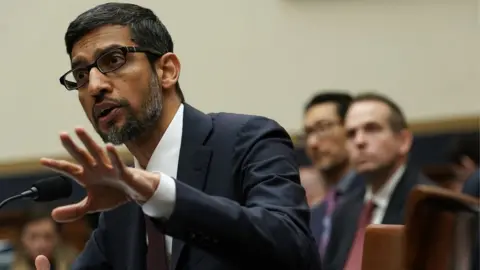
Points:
(265, 57)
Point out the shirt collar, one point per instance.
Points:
(382, 198)
(168, 147)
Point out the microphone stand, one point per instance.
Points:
(44, 190)
(26, 194)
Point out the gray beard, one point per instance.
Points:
(134, 126)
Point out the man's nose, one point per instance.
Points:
(311, 141)
(359, 139)
(98, 83)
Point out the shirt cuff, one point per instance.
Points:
(162, 203)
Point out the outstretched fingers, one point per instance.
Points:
(64, 167)
(116, 160)
(79, 154)
(93, 148)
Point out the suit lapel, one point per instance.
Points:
(344, 227)
(395, 210)
(194, 159)
(352, 215)
(317, 214)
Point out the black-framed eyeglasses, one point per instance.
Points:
(109, 61)
(322, 129)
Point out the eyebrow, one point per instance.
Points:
(78, 61)
(325, 121)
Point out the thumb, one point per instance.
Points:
(71, 212)
(42, 263)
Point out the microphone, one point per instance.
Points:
(45, 190)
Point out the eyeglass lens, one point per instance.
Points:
(107, 62)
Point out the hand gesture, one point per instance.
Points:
(108, 181)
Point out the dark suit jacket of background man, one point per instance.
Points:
(239, 204)
(472, 188)
(319, 211)
(346, 216)
(472, 185)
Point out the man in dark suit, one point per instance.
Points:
(218, 191)
(378, 141)
(325, 138)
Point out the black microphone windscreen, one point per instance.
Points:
(53, 188)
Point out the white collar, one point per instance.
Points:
(168, 149)
(382, 197)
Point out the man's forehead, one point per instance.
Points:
(370, 105)
(40, 224)
(364, 112)
(325, 107)
(96, 41)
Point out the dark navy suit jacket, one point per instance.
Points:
(472, 185)
(347, 185)
(239, 204)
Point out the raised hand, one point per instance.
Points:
(108, 181)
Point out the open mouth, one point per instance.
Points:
(106, 112)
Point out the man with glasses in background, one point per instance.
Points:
(224, 186)
(325, 145)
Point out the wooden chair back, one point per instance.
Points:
(383, 247)
(440, 228)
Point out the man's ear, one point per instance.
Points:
(168, 70)
(406, 141)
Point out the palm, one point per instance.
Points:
(97, 200)
(103, 174)
(88, 176)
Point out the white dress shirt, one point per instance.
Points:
(164, 161)
(382, 197)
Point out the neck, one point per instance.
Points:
(142, 148)
(316, 200)
(378, 178)
(334, 175)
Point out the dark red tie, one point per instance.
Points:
(156, 252)
(354, 261)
